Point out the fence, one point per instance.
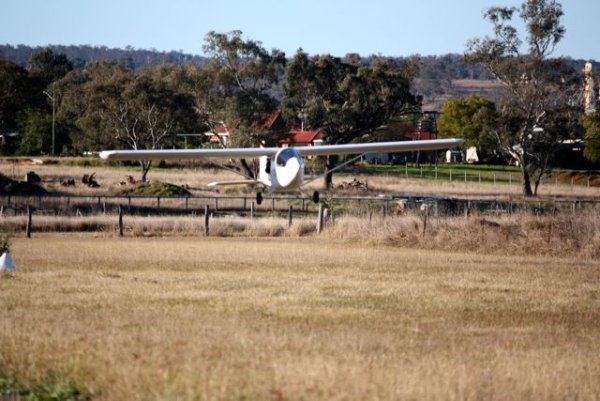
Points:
(279, 205)
(433, 172)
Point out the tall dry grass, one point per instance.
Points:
(296, 319)
(574, 235)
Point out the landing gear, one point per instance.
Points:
(315, 197)
(259, 198)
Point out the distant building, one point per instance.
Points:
(302, 138)
(221, 134)
(419, 126)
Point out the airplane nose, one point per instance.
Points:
(287, 174)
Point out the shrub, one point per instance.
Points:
(4, 243)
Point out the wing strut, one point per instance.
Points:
(314, 178)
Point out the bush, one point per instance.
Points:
(158, 189)
(4, 243)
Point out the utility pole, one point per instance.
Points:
(53, 118)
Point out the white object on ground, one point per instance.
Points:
(6, 262)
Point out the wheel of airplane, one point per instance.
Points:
(315, 197)
(259, 198)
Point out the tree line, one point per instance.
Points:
(56, 107)
(59, 105)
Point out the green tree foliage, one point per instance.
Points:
(116, 107)
(591, 123)
(239, 84)
(346, 97)
(537, 109)
(243, 76)
(461, 117)
(47, 67)
(36, 133)
(14, 95)
(24, 107)
(44, 69)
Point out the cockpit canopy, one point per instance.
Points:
(284, 155)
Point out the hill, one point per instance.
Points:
(82, 54)
(440, 77)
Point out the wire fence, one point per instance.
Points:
(79, 205)
(433, 172)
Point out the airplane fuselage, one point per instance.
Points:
(284, 171)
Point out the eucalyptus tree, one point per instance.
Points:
(116, 107)
(27, 101)
(14, 95)
(540, 101)
(348, 98)
(244, 76)
(246, 73)
(239, 85)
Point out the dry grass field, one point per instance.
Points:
(294, 318)
(479, 308)
(197, 178)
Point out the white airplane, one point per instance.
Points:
(281, 169)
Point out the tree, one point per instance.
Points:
(238, 84)
(591, 123)
(47, 67)
(119, 108)
(244, 76)
(539, 103)
(461, 117)
(348, 98)
(14, 95)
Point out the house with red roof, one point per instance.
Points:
(302, 138)
(274, 122)
(221, 134)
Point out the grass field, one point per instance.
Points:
(309, 318)
(481, 181)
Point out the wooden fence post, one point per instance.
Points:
(290, 212)
(29, 222)
(320, 219)
(120, 221)
(206, 220)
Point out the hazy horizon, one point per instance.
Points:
(387, 27)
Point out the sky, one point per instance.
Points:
(337, 27)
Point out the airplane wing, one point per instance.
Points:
(379, 147)
(187, 154)
(322, 150)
